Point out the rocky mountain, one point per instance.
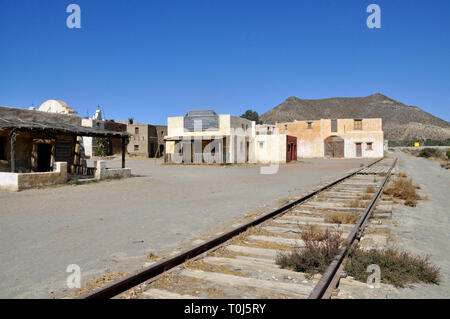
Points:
(400, 121)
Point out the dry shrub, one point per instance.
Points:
(356, 204)
(342, 218)
(313, 232)
(402, 175)
(398, 268)
(315, 256)
(365, 197)
(370, 189)
(403, 188)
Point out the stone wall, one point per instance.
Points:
(102, 172)
(20, 181)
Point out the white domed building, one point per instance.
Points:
(56, 106)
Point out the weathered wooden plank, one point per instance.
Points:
(155, 293)
(271, 269)
(299, 290)
(279, 240)
(262, 252)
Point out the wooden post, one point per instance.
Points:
(123, 152)
(13, 151)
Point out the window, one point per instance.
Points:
(261, 144)
(309, 125)
(358, 124)
(2, 148)
(285, 127)
(369, 146)
(136, 148)
(136, 130)
(333, 125)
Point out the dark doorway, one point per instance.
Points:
(334, 146)
(44, 156)
(358, 149)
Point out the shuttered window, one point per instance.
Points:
(63, 151)
(333, 125)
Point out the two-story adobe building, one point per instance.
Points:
(336, 138)
(226, 137)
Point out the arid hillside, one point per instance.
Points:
(400, 121)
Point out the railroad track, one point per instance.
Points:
(241, 263)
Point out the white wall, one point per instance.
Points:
(377, 146)
(273, 148)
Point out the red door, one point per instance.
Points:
(291, 148)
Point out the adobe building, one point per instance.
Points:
(161, 132)
(221, 135)
(205, 137)
(39, 148)
(270, 146)
(89, 143)
(336, 138)
(115, 143)
(143, 139)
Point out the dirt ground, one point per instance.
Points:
(421, 230)
(424, 229)
(115, 225)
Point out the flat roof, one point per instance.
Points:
(58, 128)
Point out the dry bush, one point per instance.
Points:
(356, 204)
(370, 189)
(365, 197)
(342, 218)
(313, 232)
(315, 256)
(403, 188)
(402, 175)
(398, 268)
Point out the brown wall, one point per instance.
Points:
(115, 144)
(25, 153)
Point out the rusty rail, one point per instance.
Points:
(162, 266)
(331, 274)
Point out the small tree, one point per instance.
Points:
(251, 116)
(102, 146)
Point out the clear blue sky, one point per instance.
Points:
(153, 59)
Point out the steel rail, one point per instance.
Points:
(331, 272)
(132, 280)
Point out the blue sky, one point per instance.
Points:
(153, 59)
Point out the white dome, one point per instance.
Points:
(55, 106)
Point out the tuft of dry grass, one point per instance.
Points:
(356, 204)
(404, 189)
(398, 268)
(315, 257)
(370, 189)
(342, 218)
(365, 197)
(314, 232)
